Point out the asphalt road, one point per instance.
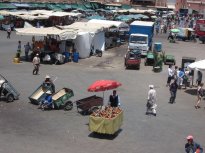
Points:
(26, 129)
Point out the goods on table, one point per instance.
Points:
(107, 112)
(107, 120)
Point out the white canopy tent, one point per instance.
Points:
(63, 34)
(38, 14)
(199, 65)
(90, 36)
(109, 23)
(85, 27)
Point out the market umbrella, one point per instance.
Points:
(103, 85)
(175, 30)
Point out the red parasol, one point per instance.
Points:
(103, 85)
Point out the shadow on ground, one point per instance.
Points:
(191, 91)
(104, 136)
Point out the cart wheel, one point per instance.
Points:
(68, 106)
(10, 97)
(138, 67)
(99, 54)
(93, 109)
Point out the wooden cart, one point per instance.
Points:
(89, 104)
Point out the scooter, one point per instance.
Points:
(97, 53)
(46, 106)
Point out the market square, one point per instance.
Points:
(27, 128)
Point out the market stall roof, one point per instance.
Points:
(85, 27)
(53, 7)
(22, 5)
(142, 23)
(4, 12)
(199, 65)
(63, 34)
(38, 5)
(97, 17)
(33, 17)
(7, 6)
(44, 12)
(109, 23)
(132, 10)
(61, 14)
(38, 14)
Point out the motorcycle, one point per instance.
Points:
(97, 53)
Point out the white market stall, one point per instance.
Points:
(109, 23)
(53, 43)
(199, 65)
(116, 31)
(89, 37)
(33, 31)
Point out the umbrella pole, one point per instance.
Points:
(103, 97)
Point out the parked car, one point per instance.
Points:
(133, 58)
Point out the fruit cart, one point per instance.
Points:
(106, 123)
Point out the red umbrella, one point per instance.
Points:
(103, 85)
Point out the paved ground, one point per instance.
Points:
(25, 129)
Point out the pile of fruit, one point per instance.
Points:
(107, 112)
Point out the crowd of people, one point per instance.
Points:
(179, 78)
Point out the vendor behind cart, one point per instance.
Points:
(48, 84)
(114, 100)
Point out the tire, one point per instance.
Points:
(68, 106)
(138, 67)
(10, 97)
(99, 54)
(93, 109)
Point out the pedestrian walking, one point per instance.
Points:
(170, 75)
(186, 80)
(36, 64)
(180, 76)
(191, 146)
(151, 101)
(27, 49)
(175, 72)
(19, 46)
(8, 33)
(173, 91)
(200, 93)
(199, 78)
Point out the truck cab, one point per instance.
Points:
(141, 34)
(139, 41)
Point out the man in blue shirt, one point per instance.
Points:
(47, 101)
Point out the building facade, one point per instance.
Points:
(153, 3)
(197, 5)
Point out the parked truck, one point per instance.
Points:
(141, 34)
(200, 29)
